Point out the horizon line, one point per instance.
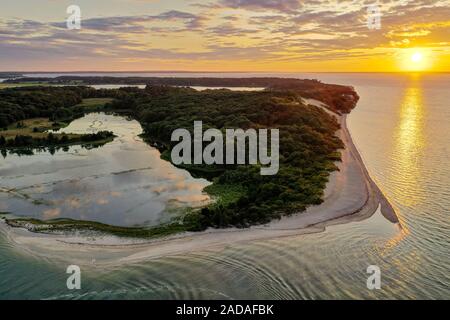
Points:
(185, 71)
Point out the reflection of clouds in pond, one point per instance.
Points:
(72, 202)
(51, 213)
(3, 206)
(191, 198)
(159, 189)
(191, 186)
(123, 183)
(181, 185)
(102, 201)
(38, 189)
(115, 194)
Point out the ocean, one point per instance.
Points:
(401, 128)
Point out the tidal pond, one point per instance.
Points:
(124, 182)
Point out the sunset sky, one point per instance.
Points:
(225, 35)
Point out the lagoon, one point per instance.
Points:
(123, 183)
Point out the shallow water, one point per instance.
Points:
(401, 129)
(199, 88)
(121, 183)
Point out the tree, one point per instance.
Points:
(64, 139)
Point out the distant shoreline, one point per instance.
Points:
(224, 72)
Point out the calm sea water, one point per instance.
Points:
(401, 129)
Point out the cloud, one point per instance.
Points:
(136, 23)
(228, 29)
(267, 31)
(286, 6)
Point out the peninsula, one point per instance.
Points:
(321, 180)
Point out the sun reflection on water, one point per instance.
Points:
(409, 143)
(407, 155)
(402, 233)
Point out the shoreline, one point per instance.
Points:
(350, 195)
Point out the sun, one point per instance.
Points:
(417, 57)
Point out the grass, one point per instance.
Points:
(69, 225)
(225, 194)
(23, 84)
(94, 103)
(37, 83)
(40, 128)
(35, 127)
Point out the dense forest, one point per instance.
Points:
(51, 102)
(308, 148)
(308, 145)
(340, 98)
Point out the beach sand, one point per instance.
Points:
(350, 195)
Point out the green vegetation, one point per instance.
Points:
(36, 133)
(18, 104)
(93, 104)
(338, 98)
(35, 127)
(68, 225)
(308, 149)
(308, 145)
(225, 194)
(28, 115)
(4, 85)
(21, 141)
(55, 103)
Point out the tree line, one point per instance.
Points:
(26, 141)
(55, 103)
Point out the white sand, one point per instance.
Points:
(350, 195)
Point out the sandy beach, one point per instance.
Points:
(351, 195)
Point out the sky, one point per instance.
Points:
(226, 35)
